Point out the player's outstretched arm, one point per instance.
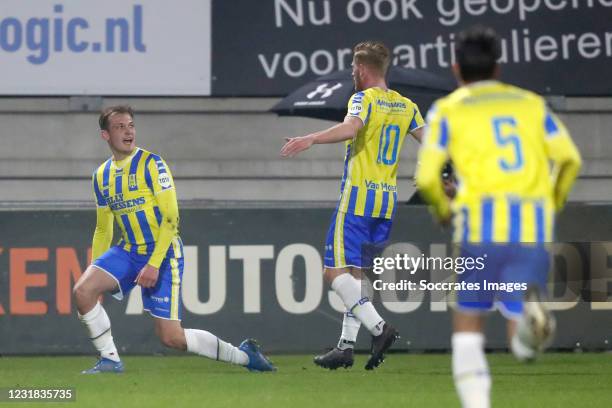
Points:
(103, 234)
(337, 133)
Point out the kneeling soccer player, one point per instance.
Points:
(135, 188)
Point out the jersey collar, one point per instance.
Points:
(122, 163)
(486, 82)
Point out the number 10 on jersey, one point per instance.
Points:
(389, 134)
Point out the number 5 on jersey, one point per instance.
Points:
(504, 129)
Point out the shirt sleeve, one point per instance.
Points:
(360, 106)
(168, 230)
(103, 234)
(565, 156)
(158, 176)
(432, 157)
(417, 120)
(98, 196)
(162, 185)
(558, 143)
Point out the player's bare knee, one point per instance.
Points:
(166, 340)
(82, 292)
(326, 275)
(173, 339)
(357, 273)
(464, 322)
(329, 275)
(80, 285)
(171, 335)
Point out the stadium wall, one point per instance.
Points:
(257, 272)
(225, 148)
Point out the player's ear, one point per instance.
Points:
(365, 70)
(104, 135)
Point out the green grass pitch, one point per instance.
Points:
(404, 380)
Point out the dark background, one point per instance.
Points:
(242, 29)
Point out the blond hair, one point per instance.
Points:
(374, 54)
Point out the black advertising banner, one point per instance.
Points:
(257, 273)
(271, 47)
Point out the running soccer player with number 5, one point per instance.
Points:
(373, 130)
(515, 164)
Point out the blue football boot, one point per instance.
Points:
(257, 361)
(104, 365)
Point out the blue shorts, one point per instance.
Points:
(508, 270)
(353, 240)
(164, 299)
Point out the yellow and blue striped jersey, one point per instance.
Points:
(501, 139)
(129, 188)
(369, 182)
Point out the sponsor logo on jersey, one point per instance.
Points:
(373, 185)
(391, 105)
(132, 185)
(355, 109)
(116, 202)
(164, 180)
